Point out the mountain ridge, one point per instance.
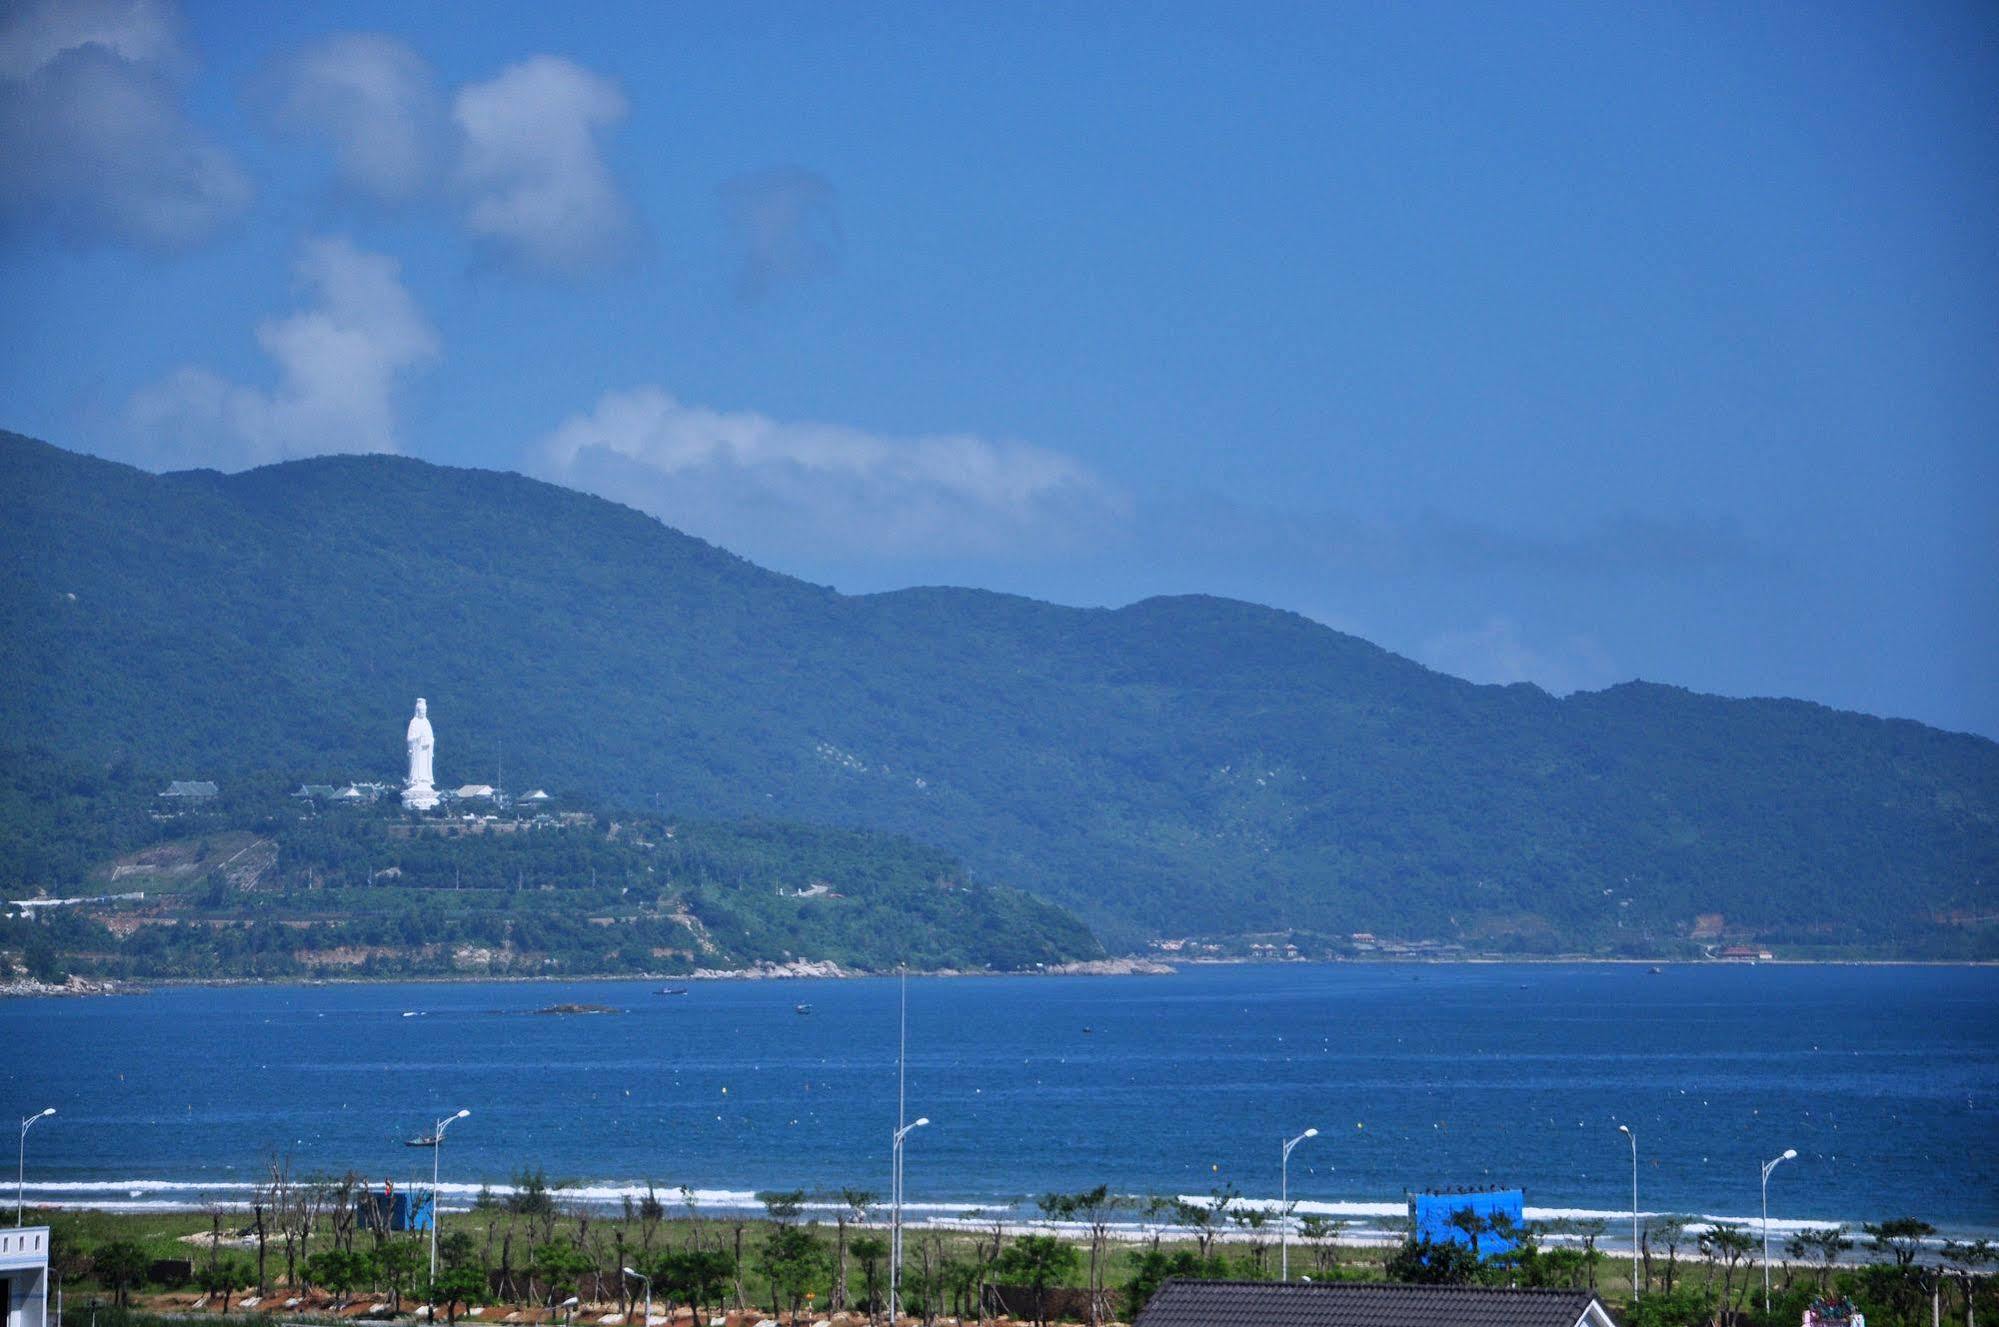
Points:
(1182, 763)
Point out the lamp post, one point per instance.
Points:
(895, 1221)
(1769, 1166)
(1284, 1205)
(21, 1173)
(436, 1146)
(1625, 1129)
(647, 1322)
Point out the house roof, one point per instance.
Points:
(1185, 1303)
(188, 788)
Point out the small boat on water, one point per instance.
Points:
(671, 990)
(801, 1009)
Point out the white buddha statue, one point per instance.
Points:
(418, 794)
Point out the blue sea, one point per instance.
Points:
(1885, 1080)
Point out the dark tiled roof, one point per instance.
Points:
(1182, 1303)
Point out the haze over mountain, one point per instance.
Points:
(1179, 765)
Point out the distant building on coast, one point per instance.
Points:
(190, 790)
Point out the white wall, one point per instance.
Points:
(24, 1261)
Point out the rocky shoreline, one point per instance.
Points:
(72, 985)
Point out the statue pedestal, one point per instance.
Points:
(420, 797)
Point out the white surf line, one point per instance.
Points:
(1364, 1216)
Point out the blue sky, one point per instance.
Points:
(1559, 343)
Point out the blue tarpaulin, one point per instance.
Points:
(1430, 1216)
(402, 1210)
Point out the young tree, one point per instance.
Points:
(697, 1276)
(395, 1264)
(852, 1209)
(1820, 1246)
(736, 1229)
(1157, 1211)
(1038, 1261)
(651, 1212)
(464, 1284)
(1591, 1230)
(783, 1205)
(337, 1270)
(1901, 1238)
(1669, 1232)
(792, 1259)
(531, 1198)
(1094, 1208)
(1321, 1234)
(692, 1202)
(1965, 1261)
(986, 1250)
(120, 1265)
(558, 1267)
(461, 1277)
(1427, 1262)
(222, 1276)
(342, 1204)
(1254, 1219)
(1731, 1246)
(869, 1252)
(1206, 1219)
(783, 1208)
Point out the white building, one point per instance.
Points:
(24, 1275)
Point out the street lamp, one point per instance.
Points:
(21, 1174)
(1769, 1166)
(436, 1146)
(895, 1222)
(1284, 1205)
(1625, 1129)
(647, 1321)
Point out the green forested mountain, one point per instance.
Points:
(1180, 765)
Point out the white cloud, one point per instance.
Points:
(519, 156)
(95, 144)
(376, 101)
(33, 34)
(535, 181)
(338, 361)
(769, 487)
(1497, 653)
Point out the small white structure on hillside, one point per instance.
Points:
(418, 793)
(24, 1275)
